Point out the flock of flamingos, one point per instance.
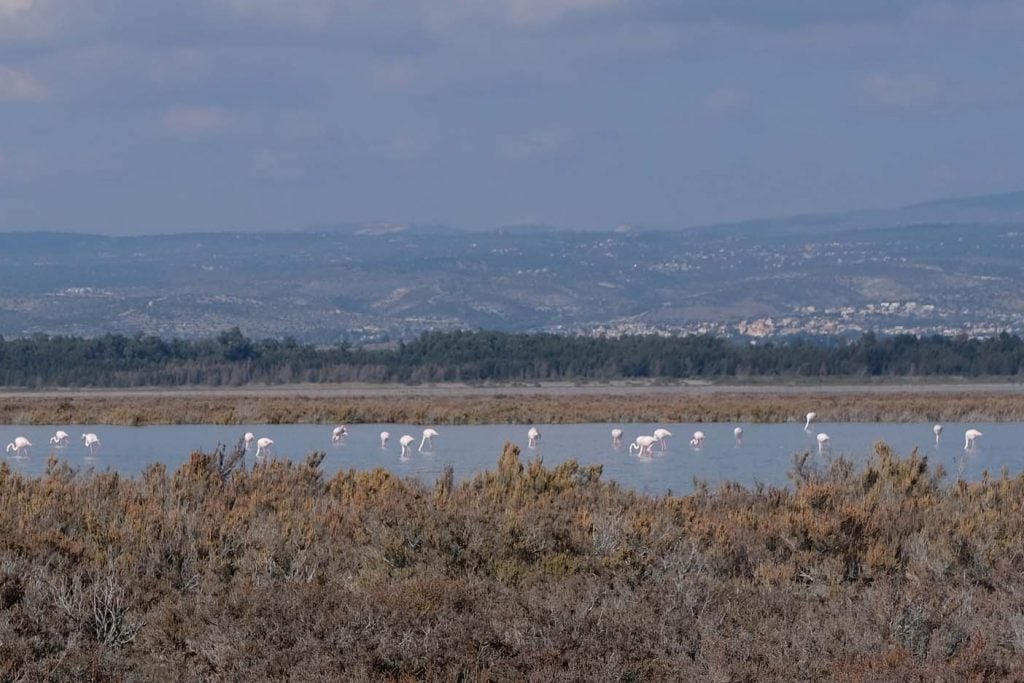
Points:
(642, 446)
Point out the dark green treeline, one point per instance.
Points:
(231, 359)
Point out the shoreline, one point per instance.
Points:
(557, 388)
(551, 404)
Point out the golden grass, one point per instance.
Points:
(513, 409)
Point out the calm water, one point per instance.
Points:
(765, 455)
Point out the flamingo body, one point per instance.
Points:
(810, 419)
(738, 433)
(616, 437)
(339, 433)
(970, 436)
(263, 446)
(406, 443)
(823, 443)
(19, 446)
(428, 439)
(533, 436)
(642, 446)
(92, 442)
(60, 438)
(384, 438)
(661, 435)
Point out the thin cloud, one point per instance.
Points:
(18, 165)
(527, 13)
(308, 14)
(397, 76)
(34, 20)
(20, 87)
(906, 92)
(543, 144)
(435, 15)
(188, 121)
(9, 8)
(271, 165)
(406, 147)
(726, 101)
(516, 14)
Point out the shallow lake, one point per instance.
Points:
(764, 456)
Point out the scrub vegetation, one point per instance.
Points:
(222, 572)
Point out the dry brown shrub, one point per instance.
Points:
(221, 572)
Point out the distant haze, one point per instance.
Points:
(128, 117)
(949, 267)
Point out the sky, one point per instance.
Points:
(145, 116)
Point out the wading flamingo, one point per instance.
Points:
(617, 437)
(810, 419)
(339, 433)
(263, 446)
(533, 437)
(698, 440)
(407, 442)
(248, 440)
(661, 435)
(937, 430)
(20, 446)
(642, 446)
(738, 433)
(384, 438)
(824, 444)
(92, 442)
(969, 438)
(428, 439)
(60, 439)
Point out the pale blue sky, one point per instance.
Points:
(135, 116)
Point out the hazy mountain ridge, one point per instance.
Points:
(908, 269)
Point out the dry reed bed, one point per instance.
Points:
(523, 573)
(517, 409)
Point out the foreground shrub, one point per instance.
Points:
(222, 572)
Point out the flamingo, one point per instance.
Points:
(406, 442)
(969, 437)
(617, 438)
(661, 435)
(92, 442)
(533, 436)
(339, 434)
(823, 443)
(738, 433)
(60, 438)
(263, 446)
(428, 439)
(384, 438)
(20, 446)
(642, 446)
(810, 419)
(248, 439)
(698, 440)
(937, 430)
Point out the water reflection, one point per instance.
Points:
(759, 453)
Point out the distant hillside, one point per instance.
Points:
(994, 209)
(948, 267)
